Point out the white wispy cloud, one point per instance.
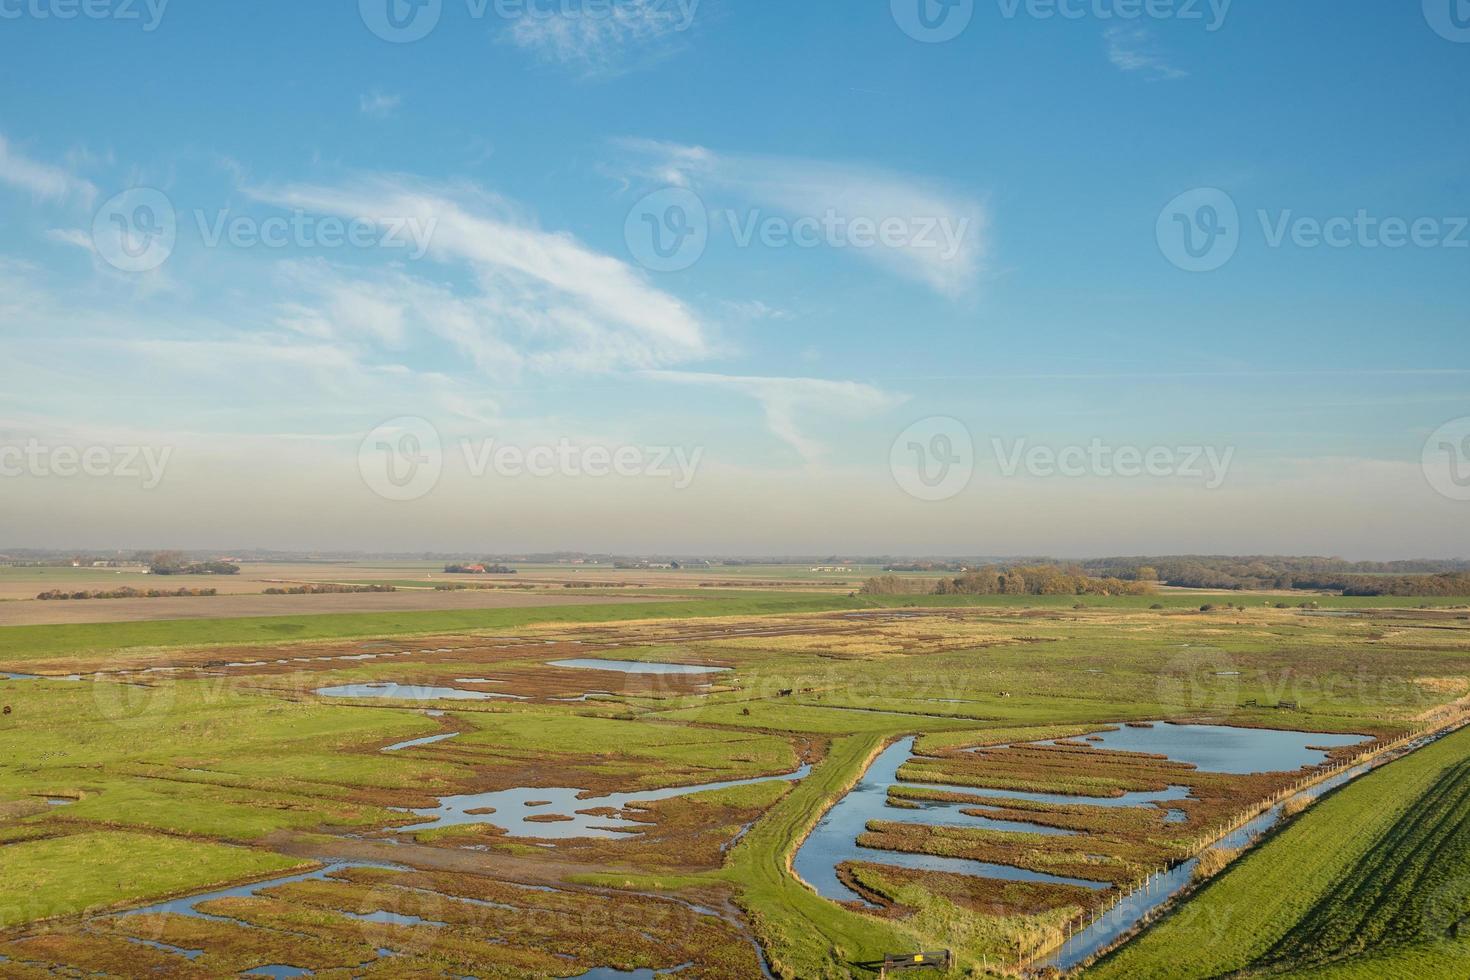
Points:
(539, 300)
(940, 237)
(42, 179)
(75, 237)
(790, 403)
(1132, 49)
(600, 39)
(379, 104)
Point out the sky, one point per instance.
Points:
(910, 277)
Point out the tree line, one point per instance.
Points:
(1010, 580)
(1278, 572)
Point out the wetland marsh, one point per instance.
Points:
(792, 792)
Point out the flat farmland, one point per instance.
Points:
(23, 582)
(711, 784)
(37, 613)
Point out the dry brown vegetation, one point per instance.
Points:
(364, 921)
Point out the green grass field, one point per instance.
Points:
(91, 871)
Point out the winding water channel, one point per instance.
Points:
(1209, 747)
(518, 810)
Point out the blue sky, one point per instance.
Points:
(1031, 171)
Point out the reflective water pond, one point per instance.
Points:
(426, 740)
(638, 667)
(411, 692)
(515, 808)
(1142, 798)
(1219, 748)
(188, 906)
(1214, 748)
(834, 840)
(188, 954)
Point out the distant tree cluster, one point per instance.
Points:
(926, 566)
(1038, 580)
(465, 587)
(478, 568)
(1268, 572)
(174, 563)
(1449, 584)
(328, 588)
(126, 593)
(896, 585)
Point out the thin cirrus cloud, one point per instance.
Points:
(1132, 49)
(495, 297)
(788, 403)
(942, 235)
(534, 299)
(379, 104)
(603, 39)
(540, 302)
(42, 180)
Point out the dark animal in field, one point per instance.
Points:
(786, 693)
